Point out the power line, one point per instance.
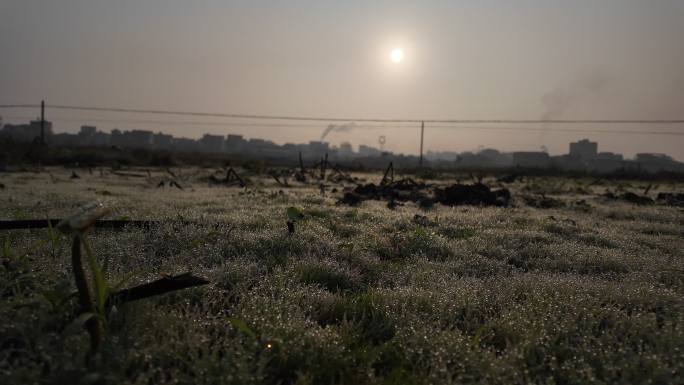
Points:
(366, 126)
(567, 130)
(200, 123)
(171, 122)
(367, 120)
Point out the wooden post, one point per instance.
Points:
(324, 162)
(388, 172)
(41, 145)
(301, 163)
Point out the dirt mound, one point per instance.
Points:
(400, 191)
(407, 190)
(630, 197)
(477, 194)
(671, 199)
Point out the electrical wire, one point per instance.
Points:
(339, 119)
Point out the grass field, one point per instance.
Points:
(588, 292)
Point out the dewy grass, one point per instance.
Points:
(332, 278)
(361, 295)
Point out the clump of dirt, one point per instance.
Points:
(169, 183)
(630, 197)
(477, 194)
(671, 199)
(404, 190)
(407, 190)
(637, 199)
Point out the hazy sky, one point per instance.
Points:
(485, 59)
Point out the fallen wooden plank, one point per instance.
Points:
(158, 287)
(25, 224)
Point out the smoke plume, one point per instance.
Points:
(348, 127)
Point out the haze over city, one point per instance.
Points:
(486, 60)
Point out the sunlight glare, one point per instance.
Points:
(397, 55)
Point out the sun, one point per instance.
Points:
(397, 55)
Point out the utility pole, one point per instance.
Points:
(42, 123)
(41, 145)
(422, 131)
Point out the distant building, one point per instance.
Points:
(657, 163)
(652, 157)
(583, 150)
(100, 139)
(317, 148)
(609, 156)
(449, 156)
(87, 131)
(162, 141)
(185, 145)
(116, 138)
(89, 136)
(531, 159)
(235, 143)
(211, 143)
(583, 155)
(132, 139)
(567, 162)
(255, 144)
(368, 151)
(487, 158)
(345, 151)
(291, 147)
(138, 138)
(26, 132)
